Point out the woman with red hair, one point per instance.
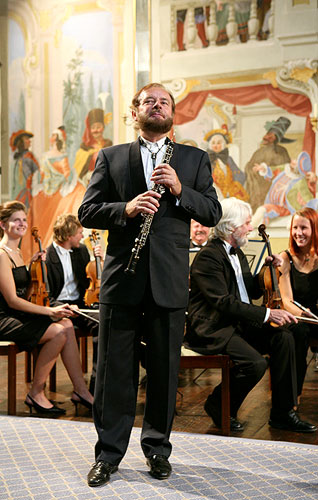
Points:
(299, 273)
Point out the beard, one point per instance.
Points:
(149, 124)
(240, 240)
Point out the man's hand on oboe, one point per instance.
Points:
(166, 175)
(145, 203)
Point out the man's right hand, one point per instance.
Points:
(281, 317)
(145, 203)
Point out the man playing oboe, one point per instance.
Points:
(152, 301)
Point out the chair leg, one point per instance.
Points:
(84, 354)
(28, 367)
(52, 376)
(12, 380)
(226, 398)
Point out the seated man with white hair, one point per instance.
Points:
(223, 320)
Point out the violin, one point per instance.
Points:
(94, 273)
(39, 282)
(268, 277)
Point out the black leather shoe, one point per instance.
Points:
(215, 413)
(160, 467)
(291, 422)
(235, 425)
(100, 473)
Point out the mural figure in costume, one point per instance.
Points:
(58, 192)
(228, 178)
(57, 174)
(271, 153)
(293, 188)
(25, 166)
(92, 142)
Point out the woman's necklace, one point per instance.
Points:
(306, 258)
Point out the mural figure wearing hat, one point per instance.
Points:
(271, 153)
(25, 166)
(228, 178)
(92, 142)
(293, 188)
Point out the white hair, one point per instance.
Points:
(234, 214)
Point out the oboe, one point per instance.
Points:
(145, 226)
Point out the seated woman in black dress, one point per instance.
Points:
(299, 279)
(29, 324)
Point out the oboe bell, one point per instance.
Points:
(131, 267)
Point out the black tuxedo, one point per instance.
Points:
(79, 258)
(118, 177)
(152, 302)
(219, 322)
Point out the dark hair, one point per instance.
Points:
(312, 216)
(66, 225)
(7, 209)
(136, 101)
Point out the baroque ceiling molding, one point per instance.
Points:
(301, 77)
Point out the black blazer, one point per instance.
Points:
(79, 258)
(118, 177)
(215, 306)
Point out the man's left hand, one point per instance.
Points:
(166, 175)
(276, 260)
(98, 252)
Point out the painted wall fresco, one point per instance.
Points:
(260, 144)
(78, 65)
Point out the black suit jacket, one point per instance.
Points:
(118, 177)
(79, 258)
(215, 306)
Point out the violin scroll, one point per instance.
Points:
(261, 232)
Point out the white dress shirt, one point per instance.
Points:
(235, 262)
(147, 163)
(69, 290)
(238, 273)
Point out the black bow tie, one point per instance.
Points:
(233, 251)
(196, 245)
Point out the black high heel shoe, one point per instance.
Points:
(54, 411)
(81, 401)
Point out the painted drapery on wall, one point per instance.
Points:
(51, 166)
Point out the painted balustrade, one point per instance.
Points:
(200, 23)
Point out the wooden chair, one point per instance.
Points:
(81, 337)
(191, 359)
(10, 349)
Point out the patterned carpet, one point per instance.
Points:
(42, 459)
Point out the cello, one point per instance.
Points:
(268, 277)
(94, 273)
(39, 283)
